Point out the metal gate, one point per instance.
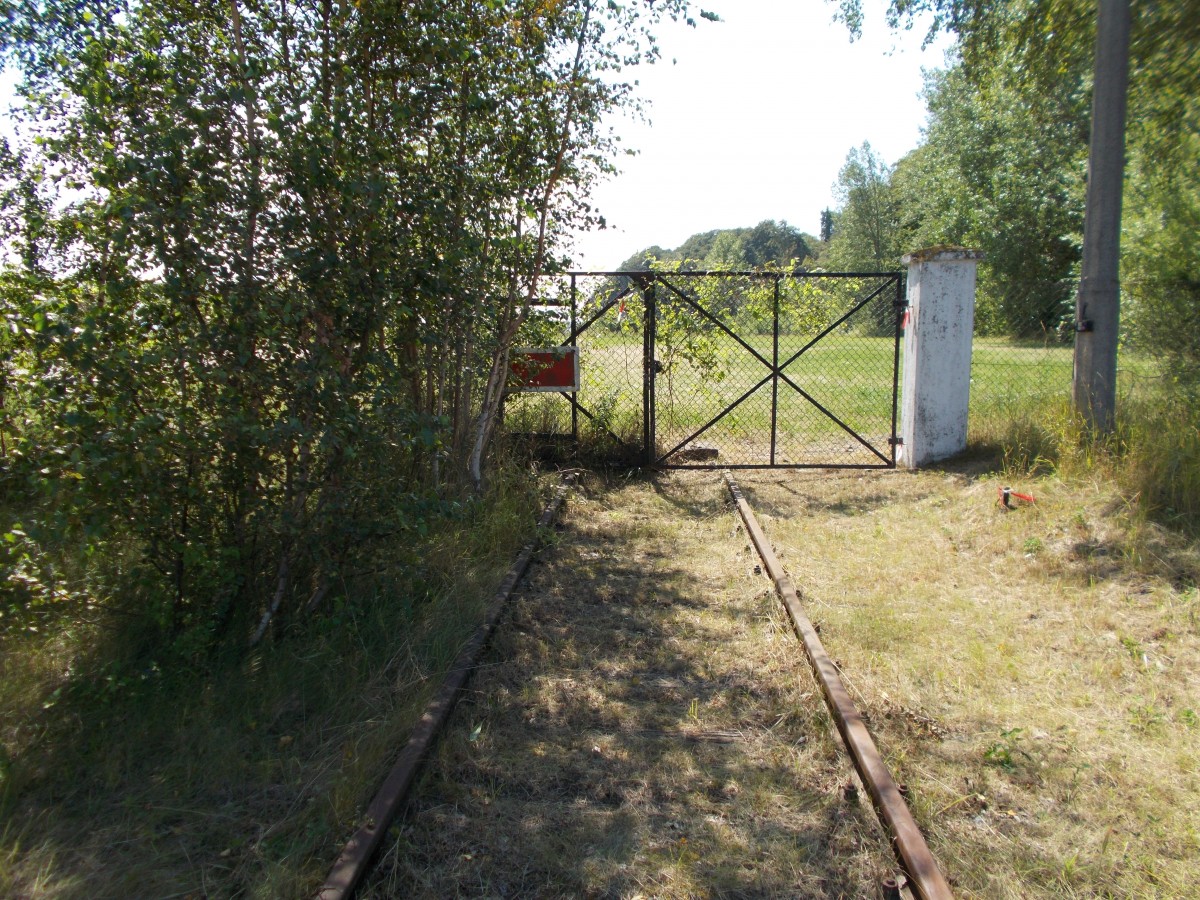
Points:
(737, 369)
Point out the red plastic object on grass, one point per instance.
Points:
(1007, 495)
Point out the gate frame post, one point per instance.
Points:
(775, 368)
(937, 354)
(575, 343)
(900, 305)
(649, 368)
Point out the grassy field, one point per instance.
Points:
(647, 723)
(849, 374)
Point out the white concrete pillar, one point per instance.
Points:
(937, 354)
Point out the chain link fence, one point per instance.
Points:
(775, 370)
(1028, 369)
(768, 369)
(604, 421)
(745, 369)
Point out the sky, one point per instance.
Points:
(752, 117)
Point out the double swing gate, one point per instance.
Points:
(725, 369)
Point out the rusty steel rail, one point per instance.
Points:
(910, 847)
(358, 853)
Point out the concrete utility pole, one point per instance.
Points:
(1098, 303)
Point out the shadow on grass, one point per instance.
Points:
(607, 748)
(819, 503)
(235, 780)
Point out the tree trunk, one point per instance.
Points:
(493, 395)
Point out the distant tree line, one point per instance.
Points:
(768, 244)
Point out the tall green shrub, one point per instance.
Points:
(269, 255)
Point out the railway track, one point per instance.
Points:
(599, 765)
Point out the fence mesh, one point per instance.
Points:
(720, 339)
(604, 317)
(716, 401)
(749, 369)
(1019, 375)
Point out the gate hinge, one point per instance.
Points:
(895, 442)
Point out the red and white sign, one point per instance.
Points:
(548, 369)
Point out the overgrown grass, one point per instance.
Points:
(1030, 673)
(241, 781)
(1153, 454)
(1160, 458)
(639, 728)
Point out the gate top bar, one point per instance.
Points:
(742, 273)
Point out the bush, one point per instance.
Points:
(1154, 453)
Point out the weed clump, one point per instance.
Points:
(1153, 454)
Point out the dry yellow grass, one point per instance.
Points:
(1033, 675)
(647, 726)
(644, 726)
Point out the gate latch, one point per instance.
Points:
(657, 367)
